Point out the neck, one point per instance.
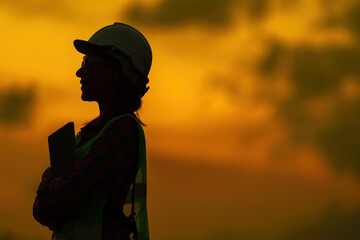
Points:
(110, 106)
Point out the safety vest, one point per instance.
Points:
(90, 224)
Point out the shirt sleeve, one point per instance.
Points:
(61, 198)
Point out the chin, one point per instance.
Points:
(86, 98)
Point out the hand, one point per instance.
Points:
(48, 173)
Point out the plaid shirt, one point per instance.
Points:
(111, 164)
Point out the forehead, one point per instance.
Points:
(92, 54)
(93, 59)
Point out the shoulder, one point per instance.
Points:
(123, 124)
(118, 132)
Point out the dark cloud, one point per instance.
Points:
(7, 235)
(334, 224)
(174, 12)
(289, 3)
(48, 8)
(269, 63)
(223, 84)
(257, 8)
(352, 18)
(316, 74)
(313, 71)
(16, 105)
(349, 19)
(212, 13)
(340, 139)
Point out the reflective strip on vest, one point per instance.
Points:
(140, 193)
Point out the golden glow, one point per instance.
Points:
(208, 105)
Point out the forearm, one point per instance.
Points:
(109, 155)
(55, 216)
(45, 216)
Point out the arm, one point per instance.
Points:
(110, 154)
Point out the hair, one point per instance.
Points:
(129, 98)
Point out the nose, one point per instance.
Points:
(80, 72)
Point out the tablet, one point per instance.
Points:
(62, 149)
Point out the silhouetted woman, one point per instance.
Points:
(87, 203)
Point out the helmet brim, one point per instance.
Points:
(84, 46)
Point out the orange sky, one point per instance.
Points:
(188, 119)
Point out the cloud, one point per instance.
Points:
(315, 72)
(335, 224)
(175, 12)
(211, 13)
(48, 8)
(223, 84)
(16, 105)
(318, 112)
(317, 75)
(289, 3)
(271, 60)
(257, 8)
(349, 18)
(352, 18)
(7, 235)
(339, 139)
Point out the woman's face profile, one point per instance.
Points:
(95, 78)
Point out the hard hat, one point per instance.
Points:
(127, 45)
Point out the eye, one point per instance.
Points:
(85, 63)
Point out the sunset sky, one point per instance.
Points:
(252, 113)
